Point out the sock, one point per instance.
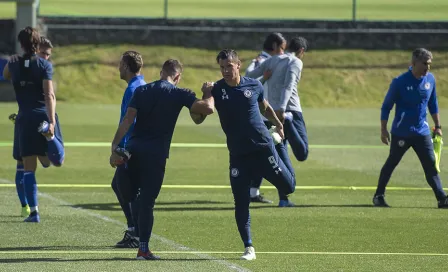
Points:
(144, 246)
(55, 151)
(29, 180)
(20, 188)
(254, 192)
(282, 196)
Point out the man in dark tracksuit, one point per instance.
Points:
(155, 108)
(412, 92)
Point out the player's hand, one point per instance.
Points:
(50, 132)
(267, 74)
(385, 137)
(115, 160)
(280, 131)
(13, 58)
(280, 115)
(438, 131)
(207, 87)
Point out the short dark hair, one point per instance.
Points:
(29, 39)
(297, 43)
(271, 39)
(44, 42)
(172, 67)
(133, 60)
(421, 54)
(229, 54)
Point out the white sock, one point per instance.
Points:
(32, 209)
(254, 192)
(131, 229)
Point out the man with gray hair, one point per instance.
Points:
(412, 93)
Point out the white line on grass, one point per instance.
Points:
(179, 247)
(55, 252)
(176, 186)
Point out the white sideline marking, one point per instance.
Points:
(219, 252)
(179, 247)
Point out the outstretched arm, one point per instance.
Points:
(205, 106)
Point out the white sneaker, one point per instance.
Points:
(275, 136)
(249, 254)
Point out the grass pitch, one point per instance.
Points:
(329, 230)
(263, 9)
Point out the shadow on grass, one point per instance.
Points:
(186, 206)
(52, 260)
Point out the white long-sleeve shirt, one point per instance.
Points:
(286, 72)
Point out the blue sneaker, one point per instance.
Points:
(43, 127)
(32, 219)
(285, 203)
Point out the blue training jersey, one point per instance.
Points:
(133, 84)
(158, 105)
(27, 76)
(240, 116)
(412, 98)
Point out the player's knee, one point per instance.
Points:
(303, 156)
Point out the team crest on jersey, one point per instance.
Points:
(401, 143)
(234, 172)
(248, 93)
(427, 85)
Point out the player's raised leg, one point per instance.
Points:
(295, 132)
(56, 152)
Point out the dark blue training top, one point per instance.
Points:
(158, 106)
(27, 76)
(412, 97)
(240, 116)
(135, 82)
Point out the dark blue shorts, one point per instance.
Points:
(29, 142)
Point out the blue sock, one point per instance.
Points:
(56, 152)
(29, 180)
(20, 186)
(144, 246)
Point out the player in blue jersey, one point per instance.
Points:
(273, 45)
(38, 129)
(130, 67)
(412, 93)
(240, 104)
(155, 107)
(44, 52)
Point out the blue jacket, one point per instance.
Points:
(128, 93)
(412, 97)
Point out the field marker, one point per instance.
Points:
(169, 186)
(55, 252)
(208, 145)
(168, 242)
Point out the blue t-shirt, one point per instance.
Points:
(158, 105)
(240, 116)
(135, 82)
(412, 98)
(27, 76)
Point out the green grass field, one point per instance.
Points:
(297, 9)
(330, 78)
(330, 230)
